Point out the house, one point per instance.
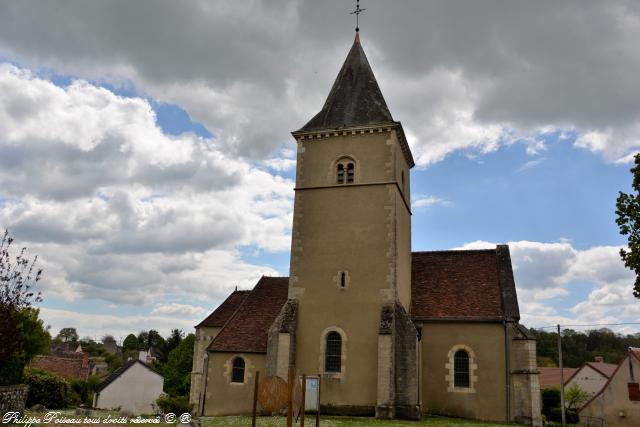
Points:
(550, 377)
(150, 355)
(133, 388)
(591, 376)
(391, 332)
(67, 365)
(618, 402)
(98, 366)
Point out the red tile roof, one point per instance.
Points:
(68, 367)
(550, 377)
(463, 284)
(606, 369)
(469, 285)
(220, 315)
(247, 330)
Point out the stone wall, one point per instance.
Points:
(406, 366)
(13, 398)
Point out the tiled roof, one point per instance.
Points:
(635, 352)
(115, 374)
(248, 328)
(355, 98)
(67, 367)
(220, 315)
(470, 285)
(606, 369)
(550, 377)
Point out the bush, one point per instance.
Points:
(550, 400)
(84, 388)
(178, 405)
(570, 416)
(49, 390)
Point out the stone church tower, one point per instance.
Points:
(390, 332)
(350, 274)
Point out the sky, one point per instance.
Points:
(146, 155)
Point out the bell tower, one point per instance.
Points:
(350, 272)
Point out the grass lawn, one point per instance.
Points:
(310, 421)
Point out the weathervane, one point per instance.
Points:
(357, 12)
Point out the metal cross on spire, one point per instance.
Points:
(357, 12)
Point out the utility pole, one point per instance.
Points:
(564, 422)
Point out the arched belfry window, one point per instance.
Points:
(350, 172)
(333, 354)
(237, 371)
(345, 171)
(461, 369)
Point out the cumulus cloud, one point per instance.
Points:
(460, 75)
(93, 325)
(422, 201)
(119, 210)
(179, 309)
(550, 272)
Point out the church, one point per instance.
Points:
(391, 333)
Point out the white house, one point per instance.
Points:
(133, 388)
(592, 376)
(617, 404)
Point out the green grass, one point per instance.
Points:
(431, 421)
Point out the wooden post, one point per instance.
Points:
(255, 399)
(290, 398)
(304, 395)
(562, 419)
(318, 411)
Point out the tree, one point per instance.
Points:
(574, 397)
(131, 343)
(628, 220)
(22, 334)
(177, 373)
(67, 335)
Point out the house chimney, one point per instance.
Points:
(599, 359)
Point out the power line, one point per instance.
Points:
(592, 324)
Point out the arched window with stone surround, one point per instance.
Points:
(345, 171)
(237, 370)
(333, 352)
(461, 369)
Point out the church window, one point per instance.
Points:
(237, 371)
(340, 174)
(345, 171)
(461, 369)
(350, 173)
(333, 356)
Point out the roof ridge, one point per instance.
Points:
(453, 251)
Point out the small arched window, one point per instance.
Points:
(461, 369)
(343, 279)
(350, 173)
(340, 174)
(345, 171)
(237, 371)
(333, 356)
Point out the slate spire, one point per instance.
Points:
(355, 98)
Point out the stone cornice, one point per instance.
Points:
(360, 130)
